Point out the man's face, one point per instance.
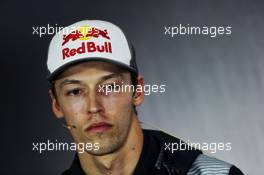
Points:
(98, 117)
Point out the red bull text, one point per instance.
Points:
(87, 47)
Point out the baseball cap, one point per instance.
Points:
(89, 40)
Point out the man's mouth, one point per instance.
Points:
(98, 127)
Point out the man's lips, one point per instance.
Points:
(98, 127)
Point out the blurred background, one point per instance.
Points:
(214, 86)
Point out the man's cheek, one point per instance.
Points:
(73, 115)
(117, 101)
(74, 107)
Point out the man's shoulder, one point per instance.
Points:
(190, 161)
(204, 164)
(171, 158)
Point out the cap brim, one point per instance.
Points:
(58, 71)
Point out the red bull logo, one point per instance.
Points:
(87, 47)
(85, 33)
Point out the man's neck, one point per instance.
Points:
(120, 162)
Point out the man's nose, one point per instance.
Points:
(94, 103)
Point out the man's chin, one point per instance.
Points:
(103, 149)
(98, 152)
(105, 145)
(108, 142)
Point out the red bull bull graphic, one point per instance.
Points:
(85, 33)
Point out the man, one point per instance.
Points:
(86, 64)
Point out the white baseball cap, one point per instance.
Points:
(89, 40)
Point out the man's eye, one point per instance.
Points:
(109, 88)
(74, 92)
(112, 87)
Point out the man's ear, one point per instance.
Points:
(55, 106)
(139, 96)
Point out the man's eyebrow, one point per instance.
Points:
(69, 81)
(112, 75)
